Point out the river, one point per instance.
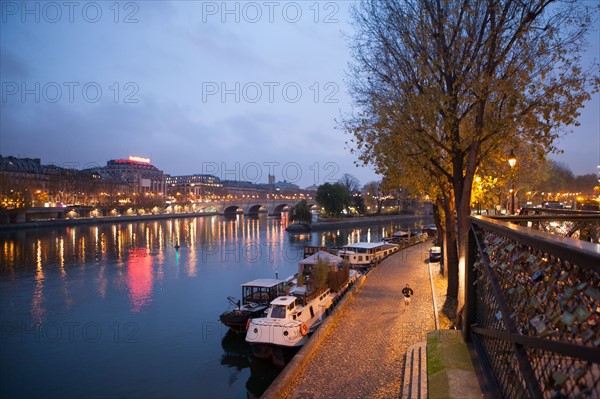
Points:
(115, 310)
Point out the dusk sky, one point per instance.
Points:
(234, 89)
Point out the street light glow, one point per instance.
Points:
(512, 159)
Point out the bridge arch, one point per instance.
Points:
(277, 209)
(254, 209)
(73, 214)
(231, 210)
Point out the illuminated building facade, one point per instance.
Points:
(139, 174)
(26, 182)
(196, 186)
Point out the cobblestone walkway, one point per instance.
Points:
(363, 355)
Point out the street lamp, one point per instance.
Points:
(512, 161)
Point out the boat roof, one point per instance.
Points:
(298, 289)
(366, 245)
(283, 300)
(400, 233)
(263, 283)
(321, 255)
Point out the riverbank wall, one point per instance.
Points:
(317, 226)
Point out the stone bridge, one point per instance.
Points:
(227, 207)
(250, 207)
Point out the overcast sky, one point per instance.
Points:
(235, 89)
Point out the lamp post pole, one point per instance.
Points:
(512, 161)
(479, 194)
(512, 206)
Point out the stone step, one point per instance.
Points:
(415, 372)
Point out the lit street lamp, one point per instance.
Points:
(512, 161)
(478, 181)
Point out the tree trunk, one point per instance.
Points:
(451, 252)
(437, 220)
(463, 185)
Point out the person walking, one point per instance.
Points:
(407, 292)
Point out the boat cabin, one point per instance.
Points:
(367, 253)
(363, 247)
(292, 306)
(364, 251)
(262, 291)
(303, 296)
(282, 306)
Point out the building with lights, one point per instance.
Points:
(26, 182)
(196, 186)
(141, 177)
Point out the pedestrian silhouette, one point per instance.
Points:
(407, 292)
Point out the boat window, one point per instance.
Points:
(278, 312)
(360, 258)
(312, 312)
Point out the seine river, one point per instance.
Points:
(114, 310)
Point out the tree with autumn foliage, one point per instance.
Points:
(445, 86)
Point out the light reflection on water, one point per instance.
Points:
(115, 310)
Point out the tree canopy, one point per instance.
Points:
(373, 193)
(301, 213)
(350, 182)
(333, 198)
(445, 87)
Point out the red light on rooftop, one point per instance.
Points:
(139, 159)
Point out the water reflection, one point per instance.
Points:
(38, 311)
(139, 278)
(130, 274)
(237, 357)
(141, 246)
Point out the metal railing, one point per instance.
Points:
(581, 225)
(533, 309)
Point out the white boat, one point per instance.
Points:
(291, 318)
(366, 254)
(256, 297)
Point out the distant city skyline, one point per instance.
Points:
(240, 90)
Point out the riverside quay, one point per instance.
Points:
(527, 321)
